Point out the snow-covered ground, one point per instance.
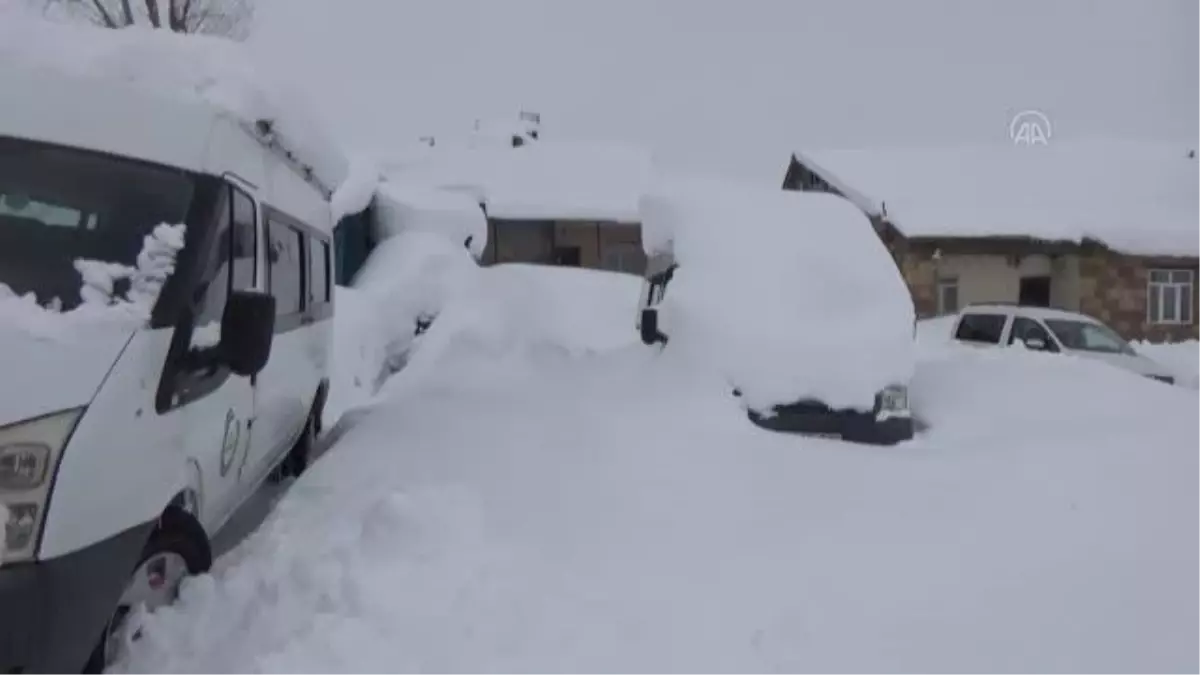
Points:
(553, 496)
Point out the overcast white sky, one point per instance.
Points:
(733, 85)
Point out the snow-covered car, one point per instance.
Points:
(792, 297)
(1054, 331)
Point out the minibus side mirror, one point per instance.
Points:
(247, 327)
(649, 326)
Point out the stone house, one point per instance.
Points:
(1107, 228)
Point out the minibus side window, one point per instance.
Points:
(328, 264)
(287, 268)
(230, 266)
(245, 240)
(214, 284)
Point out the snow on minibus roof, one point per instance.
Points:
(792, 294)
(201, 71)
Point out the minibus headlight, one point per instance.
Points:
(29, 453)
(23, 465)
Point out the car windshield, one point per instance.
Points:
(1088, 337)
(59, 205)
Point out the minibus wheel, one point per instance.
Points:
(177, 548)
(300, 455)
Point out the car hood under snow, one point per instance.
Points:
(47, 373)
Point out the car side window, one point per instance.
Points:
(1025, 330)
(982, 328)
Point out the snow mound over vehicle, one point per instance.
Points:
(405, 281)
(791, 295)
(507, 314)
(1181, 358)
(971, 393)
(455, 215)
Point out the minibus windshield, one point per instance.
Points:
(59, 205)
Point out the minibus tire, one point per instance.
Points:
(177, 532)
(298, 458)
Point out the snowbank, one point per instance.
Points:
(508, 314)
(454, 215)
(1066, 191)
(792, 295)
(206, 69)
(359, 356)
(1182, 359)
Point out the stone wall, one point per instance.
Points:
(1108, 286)
(1113, 288)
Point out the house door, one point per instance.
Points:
(1035, 291)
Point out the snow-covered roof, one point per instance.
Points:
(201, 71)
(540, 180)
(1136, 197)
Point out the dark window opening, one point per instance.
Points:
(567, 256)
(1034, 291)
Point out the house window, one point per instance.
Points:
(947, 295)
(1169, 296)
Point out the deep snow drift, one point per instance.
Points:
(533, 504)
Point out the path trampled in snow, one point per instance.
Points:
(616, 512)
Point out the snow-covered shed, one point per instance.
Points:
(1107, 227)
(549, 202)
